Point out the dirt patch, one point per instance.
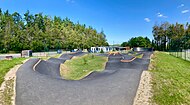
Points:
(7, 89)
(144, 90)
(151, 66)
(64, 70)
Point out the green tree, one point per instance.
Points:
(124, 44)
(139, 42)
(41, 32)
(171, 36)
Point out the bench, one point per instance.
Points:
(8, 57)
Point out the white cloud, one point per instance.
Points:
(182, 5)
(147, 19)
(161, 15)
(185, 11)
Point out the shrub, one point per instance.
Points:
(101, 51)
(92, 56)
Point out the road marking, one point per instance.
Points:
(36, 65)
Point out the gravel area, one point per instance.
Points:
(144, 90)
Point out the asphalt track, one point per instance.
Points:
(41, 84)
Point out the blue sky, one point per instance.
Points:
(120, 19)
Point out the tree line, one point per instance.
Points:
(137, 42)
(41, 32)
(171, 36)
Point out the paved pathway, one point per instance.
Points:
(117, 85)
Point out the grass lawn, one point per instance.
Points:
(135, 55)
(6, 65)
(171, 80)
(139, 56)
(79, 67)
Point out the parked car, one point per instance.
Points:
(59, 51)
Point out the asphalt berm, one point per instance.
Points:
(39, 82)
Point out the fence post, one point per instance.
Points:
(185, 55)
(181, 53)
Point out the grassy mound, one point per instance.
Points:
(6, 65)
(79, 67)
(139, 56)
(171, 80)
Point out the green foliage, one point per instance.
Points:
(171, 77)
(92, 56)
(4, 50)
(171, 36)
(40, 33)
(124, 44)
(101, 51)
(139, 42)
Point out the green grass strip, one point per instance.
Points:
(6, 65)
(171, 80)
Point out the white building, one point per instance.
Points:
(98, 49)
